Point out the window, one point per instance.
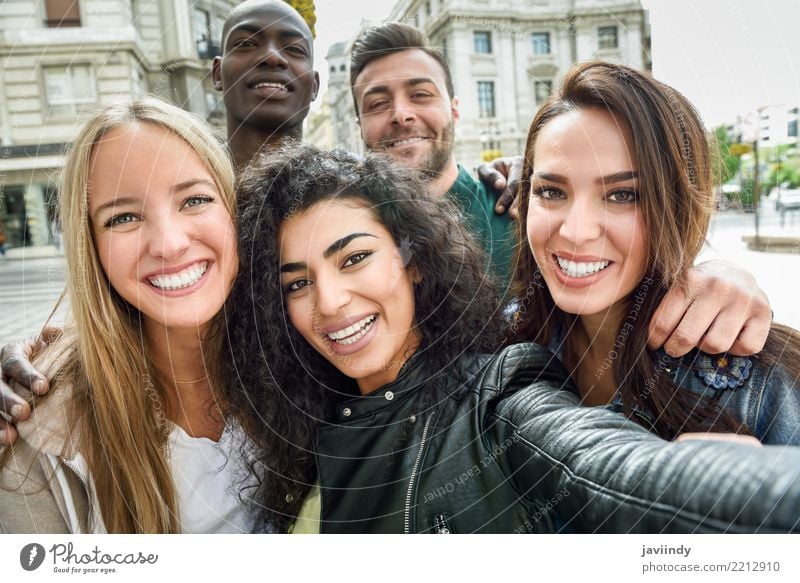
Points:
(791, 129)
(68, 88)
(427, 8)
(201, 27)
(542, 90)
(541, 43)
(483, 42)
(486, 99)
(62, 13)
(607, 37)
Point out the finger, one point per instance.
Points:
(723, 331)
(667, 317)
(752, 337)
(730, 437)
(8, 434)
(492, 177)
(505, 199)
(16, 365)
(13, 404)
(690, 330)
(513, 212)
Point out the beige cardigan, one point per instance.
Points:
(45, 485)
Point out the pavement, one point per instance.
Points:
(30, 287)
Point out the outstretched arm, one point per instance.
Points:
(620, 477)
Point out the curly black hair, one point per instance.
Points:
(277, 385)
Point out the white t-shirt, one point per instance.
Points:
(208, 477)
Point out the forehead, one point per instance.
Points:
(587, 136)
(398, 68)
(312, 230)
(139, 157)
(274, 17)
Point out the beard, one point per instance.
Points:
(431, 164)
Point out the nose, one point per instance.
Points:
(403, 113)
(332, 296)
(273, 57)
(168, 239)
(582, 221)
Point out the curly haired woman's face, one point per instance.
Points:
(163, 234)
(585, 226)
(347, 290)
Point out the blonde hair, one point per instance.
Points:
(118, 400)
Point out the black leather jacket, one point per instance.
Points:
(507, 450)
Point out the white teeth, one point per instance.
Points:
(269, 84)
(573, 269)
(353, 333)
(187, 277)
(406, 141)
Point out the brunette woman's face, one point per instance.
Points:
(585, 227)
(163, 234)
(347, 290)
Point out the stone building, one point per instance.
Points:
(60, 59)
(507, 55)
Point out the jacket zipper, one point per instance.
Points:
(440, 524)
(414, 475)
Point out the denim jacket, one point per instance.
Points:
(766, 399)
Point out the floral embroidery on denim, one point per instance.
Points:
(723, 371)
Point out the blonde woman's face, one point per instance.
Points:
(585, 226)
(161, 229)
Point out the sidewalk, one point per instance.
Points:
(42, 252)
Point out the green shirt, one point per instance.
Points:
(494, 232)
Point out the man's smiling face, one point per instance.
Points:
(267, 68)
(405, 110)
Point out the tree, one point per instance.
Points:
(307, 11)
(728, 164)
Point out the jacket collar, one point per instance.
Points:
(412, 376)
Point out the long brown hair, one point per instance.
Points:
(674, 179)
(118, 398)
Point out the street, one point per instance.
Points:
(29, 289)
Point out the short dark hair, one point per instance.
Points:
(387, 39)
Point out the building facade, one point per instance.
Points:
(60, 59)
(506, 56)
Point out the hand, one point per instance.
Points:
(722, 310)
(732, 437)
(15, 361)
(502, 176)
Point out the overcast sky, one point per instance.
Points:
(727, 56)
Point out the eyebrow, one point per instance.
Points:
(333, 248)
(255, 29)
(609, 179)
(185, 185)
(408, 83)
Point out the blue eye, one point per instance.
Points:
(121, 219)
(194, 201)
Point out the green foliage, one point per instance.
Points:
(728, 163)
(308, 11)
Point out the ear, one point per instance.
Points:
(416, 276)
(454, 109)
(316, 86)
(216, 73)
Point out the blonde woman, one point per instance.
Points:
(133, 439)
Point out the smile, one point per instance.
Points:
(354, 333)
(185, 278)
(406, 141)
(578, 269)
(271, 85)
